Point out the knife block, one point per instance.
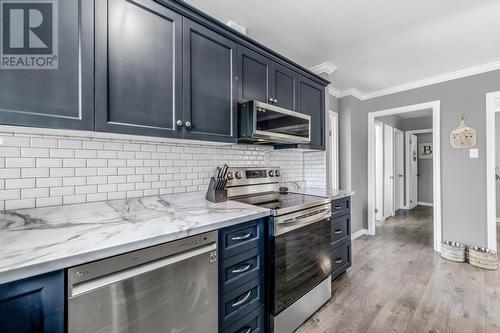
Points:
(215, 195)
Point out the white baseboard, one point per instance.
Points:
(422, 203)
(359, 233)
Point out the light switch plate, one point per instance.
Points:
(474, 153)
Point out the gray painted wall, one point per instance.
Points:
(425, 172)
(417, 123)
(463, 179)
(497, 157)
(393, 120)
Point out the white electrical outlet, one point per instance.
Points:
(474, 153)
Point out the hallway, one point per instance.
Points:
(398, 284)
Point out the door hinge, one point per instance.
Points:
(376, 210)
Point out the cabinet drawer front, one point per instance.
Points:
(253, 322)
(341, 207)
(240, 238)
(341, 228)
(240, 301)
(240, 269)
(341, 256)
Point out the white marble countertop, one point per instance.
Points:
(40, 240)
(299, 187)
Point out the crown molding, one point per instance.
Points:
(492, 66)
(326, 67)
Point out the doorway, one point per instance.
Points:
(492, 112)
(372, 166)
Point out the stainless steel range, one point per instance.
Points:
(299, 242)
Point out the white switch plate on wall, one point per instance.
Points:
(474, 153)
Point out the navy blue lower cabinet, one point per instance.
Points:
(341, 258)
(240, 269)
(253, 322)
(240, 238)
(33, 305)
(241, 301)
(242, 284)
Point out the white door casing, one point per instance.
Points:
(333, 149)
(388, 171)
(413, 156)
(436, 126)
(399, 180)
(492, 106)
(379, 152)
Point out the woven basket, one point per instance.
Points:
(453, 251)
(483, 258)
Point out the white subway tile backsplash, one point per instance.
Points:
(19, 183)
(41, 170)
(13, 162)
(20, 203)
(10, 151)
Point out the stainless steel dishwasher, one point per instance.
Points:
(171, 287)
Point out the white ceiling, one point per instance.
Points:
(374, 44)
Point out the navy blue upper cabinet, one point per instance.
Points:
(284, 87)
(210, 86)
(33, 305)
(311, 101)
(264, 80)
(138, 68)
(254, 75)
(59, 97)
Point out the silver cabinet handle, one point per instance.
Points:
(243, 300)
(338, 231)
(237, 238)
(179, 122)
(188, 124)
(338, 261)
(241, 270)
(337, 207)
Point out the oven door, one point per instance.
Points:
(301, 244)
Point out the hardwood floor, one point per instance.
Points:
(399, 284)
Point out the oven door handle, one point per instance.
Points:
(303, 220)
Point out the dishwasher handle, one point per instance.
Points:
(77, 289)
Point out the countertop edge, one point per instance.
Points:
(28, 271)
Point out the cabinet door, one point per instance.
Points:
(312, 102)
(254, 76)
(138, 68)
(60, 97)
(33, 304)
(284, 87)
(209, 92)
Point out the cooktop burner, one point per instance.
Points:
(283, 203)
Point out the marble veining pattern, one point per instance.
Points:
(39, 240)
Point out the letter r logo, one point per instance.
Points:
(27, 27)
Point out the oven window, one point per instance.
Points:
(277, 122)
(302, 261)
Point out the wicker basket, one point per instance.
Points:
(453, 251)
(483, 258)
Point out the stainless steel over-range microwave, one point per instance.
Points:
(260, 122)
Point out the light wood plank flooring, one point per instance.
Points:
(398, 284)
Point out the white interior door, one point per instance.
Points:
(399, 186)
(333, 132)
(379, 171)
(413, 172)
(388, 171)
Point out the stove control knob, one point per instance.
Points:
(230, 175)
(238, 174)
(277, 173)
(271, 173)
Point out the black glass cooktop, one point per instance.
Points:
(282, 202)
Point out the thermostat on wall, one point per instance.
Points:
(474, 153)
